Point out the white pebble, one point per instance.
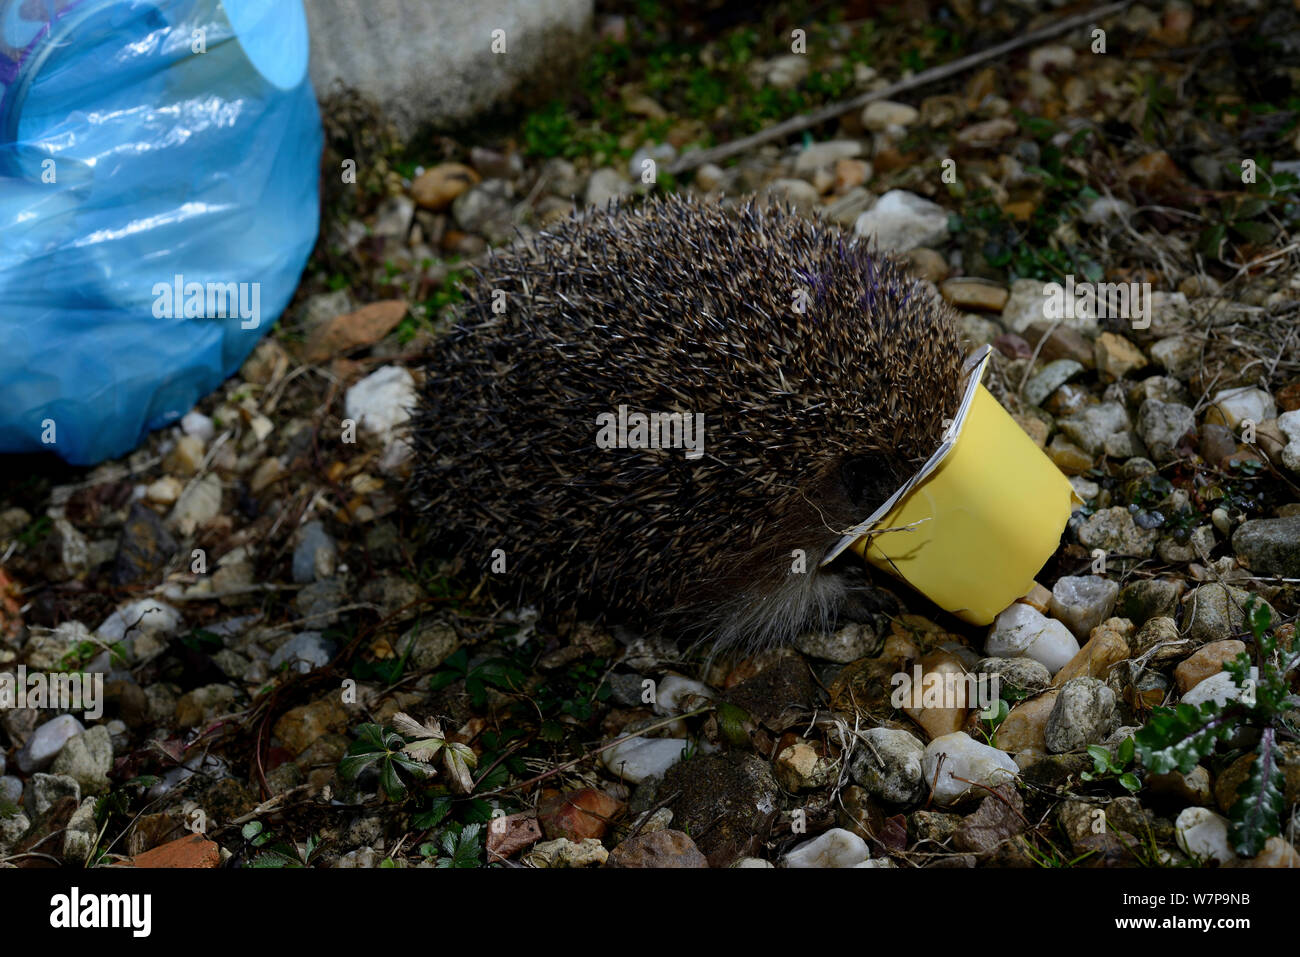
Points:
(1023, 630)
(673, 694)
(642, 758)
(1204, 835)
(836, 848)
(198, 425)
(964, 757)
(1219, 688)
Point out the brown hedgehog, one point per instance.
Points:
(823, 375)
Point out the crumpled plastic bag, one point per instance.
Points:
(159, 169)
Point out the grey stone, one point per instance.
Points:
(318, 600)
(43, 790)
(12, 827)
(199, 503)
(304, 652)
(660, 153)
(1114, 531)
(485, 209)
(1214, 611)
(793, 192)
(393, 218)
(1050, 378)
(79, 835)
(901, 221)
(1270, 546)
(1162, 424)
(887, 763)
(1172, 551)
(1082, 715)
(823, 155)
(1159, 637)
(431, 62)
(87, 758)
(1179, 355)
(1092, 426)
(1024, 673)
(316, 555)
(1083, 602)
(1141, 601)
(783, 72)
(845, 210)
(429, 645)
(605, 185)
(849, 643)
(144, 547)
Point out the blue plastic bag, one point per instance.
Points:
(159, 165)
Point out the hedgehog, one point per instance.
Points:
(792, 376)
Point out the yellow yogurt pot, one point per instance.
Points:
(971, 528)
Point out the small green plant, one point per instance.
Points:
(277, 853)
(429, 743)
(34, 532)
(387, 670)
(1053, 857)
(1104, 766)
(444, 806)
(84, 651)
(495, 673)
(1248, 217)
(202, 641)
(1180, 737)
(991, 719)
(458, 846)
(549, 131)
(383, 747)
(575, 693)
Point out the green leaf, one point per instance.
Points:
(353, 764)
(1129, 781)
(1211, 240)
(1250, 207)
(1100, 759)
(476, 811)
(1126, 749)
(441, 679)
(391, 783)
(1180, 737)
(1261, 234)
(1258, 616)
(1260, 799)
(439, 808)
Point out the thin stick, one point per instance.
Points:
(795, 124)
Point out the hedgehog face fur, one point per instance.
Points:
(812, 418)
